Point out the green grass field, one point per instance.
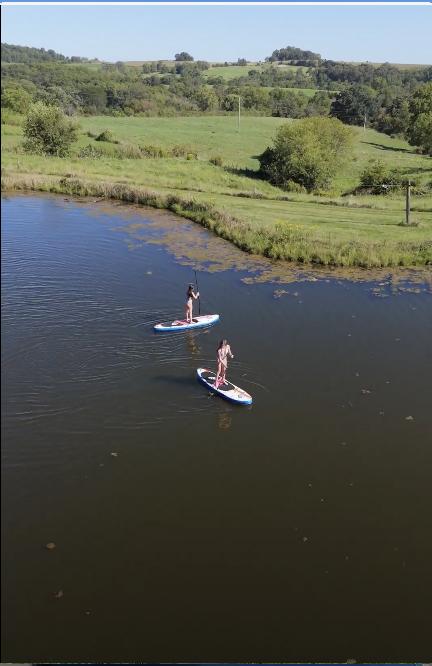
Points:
(339, 229)
(232, 71)
(227, 72)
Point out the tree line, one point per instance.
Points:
(29, 54)
(389, 99)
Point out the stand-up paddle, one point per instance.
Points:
(199, 299)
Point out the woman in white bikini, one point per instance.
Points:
(224, 350)
(190, 297)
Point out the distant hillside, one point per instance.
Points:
(292, 83)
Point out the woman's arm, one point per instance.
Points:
(195, 295)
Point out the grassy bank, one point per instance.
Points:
(230, 200)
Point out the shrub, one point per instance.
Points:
(16, 99)
(48, 131)
(378, 178)
(216, 160)
(308, 152)
(128, 151)
(179, 151)
(89, 152)
(121, 151)
(153, 151)
(292, 186)
(183, 151)
(107, 136)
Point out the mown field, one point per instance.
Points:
(232, 71)
(339, 228)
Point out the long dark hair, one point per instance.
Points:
(222, 343)
(190, 291)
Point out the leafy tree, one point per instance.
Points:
(206, 98)
(229, 102)
(255, 98)
(287, 103)
(16, 98)
(48, 131)
(56, 96)
(421, 101)
(308, 152)
(183, 56)
(353, 104)
(394, 119)
(419, 132)
(242, 62)
(319, 104)
(293, 53)
(94, 97)
(191, 68)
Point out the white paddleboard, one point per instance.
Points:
(182, 324)
(228, 391)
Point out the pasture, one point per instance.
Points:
(339, 219)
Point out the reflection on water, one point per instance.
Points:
(224, 421)
(293, 530)
(192, 344)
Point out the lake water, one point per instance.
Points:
(297, 529)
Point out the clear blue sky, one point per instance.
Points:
(381, 33)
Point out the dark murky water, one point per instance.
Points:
(297, 529)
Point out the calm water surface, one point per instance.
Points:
(297, 529)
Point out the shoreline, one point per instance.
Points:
(286, 244)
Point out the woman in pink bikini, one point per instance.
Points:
(223, 351)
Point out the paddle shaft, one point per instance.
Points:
(199, 299)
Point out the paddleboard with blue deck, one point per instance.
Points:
(182, 324)
(228, 391)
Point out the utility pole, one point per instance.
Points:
(407, 205)
(238, 120)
